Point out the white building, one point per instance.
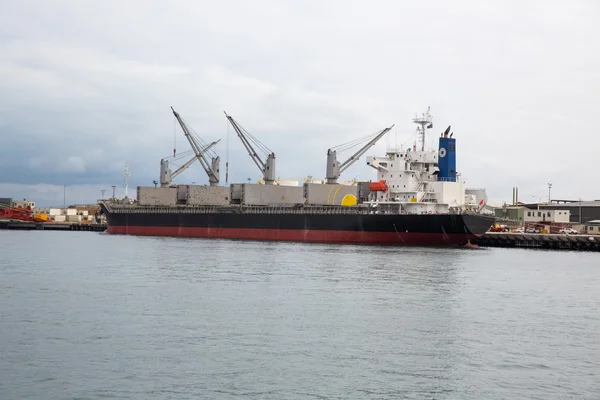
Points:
(549, 216)
(593, 227)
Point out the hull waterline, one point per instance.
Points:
(424, 230)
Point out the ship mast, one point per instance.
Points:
(424, 122)
(127, 175)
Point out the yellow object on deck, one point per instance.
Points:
(413, 199)
(349, 200)
(42, 216)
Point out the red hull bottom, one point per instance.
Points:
(299, 235)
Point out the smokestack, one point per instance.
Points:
(513, 196)
(516, 195)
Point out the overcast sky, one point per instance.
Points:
(86, 88)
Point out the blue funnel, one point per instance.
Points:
(447, 160)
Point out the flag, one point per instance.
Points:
(430, 126)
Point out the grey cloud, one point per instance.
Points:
(87, 88)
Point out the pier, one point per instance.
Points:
(540, 241)
(489, 239)
(50, 226)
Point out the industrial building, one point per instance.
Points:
(546, 215)
(513, 213)
(580, 211)
(13, 203)
(592, 227)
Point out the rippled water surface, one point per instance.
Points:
(86, 316)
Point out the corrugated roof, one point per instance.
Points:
(571, 204)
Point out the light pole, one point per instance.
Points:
(65, 196)
(580, 211)
(549, 198)
(103, 190)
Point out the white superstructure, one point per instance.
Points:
(416, 180)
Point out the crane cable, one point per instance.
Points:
(227, 155)
(254, 140)
(174, 136)
(202, 143)
(355, 142)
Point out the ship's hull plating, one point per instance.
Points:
(436, 230)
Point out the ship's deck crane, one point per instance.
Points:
(200, 150)
(335, 169)
(166, 175)
(267, 168)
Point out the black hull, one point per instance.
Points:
(426, 229)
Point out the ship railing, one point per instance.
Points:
(127, 208)
(440, 179)
(437, 179)
(361, 210)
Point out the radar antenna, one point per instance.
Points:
(425, 122)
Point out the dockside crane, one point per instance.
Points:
(200, 150)
(335, 169)
(267, 168)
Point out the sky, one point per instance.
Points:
(86, 88)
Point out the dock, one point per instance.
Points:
(540, 241)
(50, 226)
(489, 239)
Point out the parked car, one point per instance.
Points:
(569, 231)
(520, 230)
(533, 230)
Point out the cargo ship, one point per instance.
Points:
(417, 199)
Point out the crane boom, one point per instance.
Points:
(267, 168)
(335, 169)
(211, 169)
(183, 167)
